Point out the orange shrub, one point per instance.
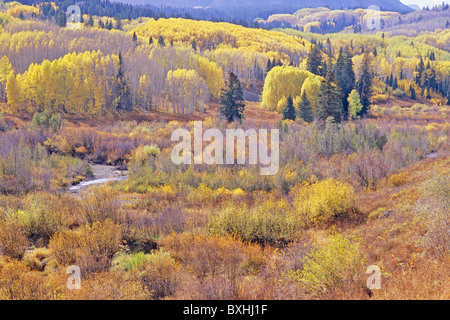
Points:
(12, 239)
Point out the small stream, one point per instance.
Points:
(102, 174)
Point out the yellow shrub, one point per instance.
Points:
(223, 193)
(336, 262)
(202, 195)
(238, 193)
(399, 179)
(270, 221)
(321, 202)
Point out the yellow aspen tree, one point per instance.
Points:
(13, 93)
(280, 83)
(5, 69)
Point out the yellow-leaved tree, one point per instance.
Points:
(186, 90)
(281, 82)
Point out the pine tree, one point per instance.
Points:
(304, 109)
(21, 15)
(419, 73)
(134, 37)
(269, 65)
(194, 45)
(232, 100)
(289, 110)
(161, 41)
(118, 23)
(364, 84)
(345, 76)
(150, 41)
(413, 93)
(329, 100)
(90, 21)
(123, 95)
(60, 18)
(324, 68)
(314, 60)
(448, 96)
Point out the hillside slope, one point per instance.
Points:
(393, 5)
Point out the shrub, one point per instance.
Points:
(324, 201)
(269, 222)
(208, 256)
(334, 263)
(18, 282)
(398, 93)
(37, 259)
(12, 239)
(41, 218)
(158, 272)
(399, 179)
(64, 246)
(433, 207)
(3, 125)
(92, 247)
(99, 203)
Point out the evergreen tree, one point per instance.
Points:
(345, 76)
(161, 41)
(232, 100)
(323, 70)
(395, 83)
(123, 94)
(448, 96)
(413, 93)
(150, 41)
(329, 100)
(289, 110)
(194, 45)
(21, 15)
(134, 37)
(419, 73)
(364, 84)
(90, 21)
(60, 18)
(118, 23)
(269, 65)
(304, 109)
(314, 60)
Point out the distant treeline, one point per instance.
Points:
(243, 16)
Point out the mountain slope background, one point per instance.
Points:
(391, 5)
